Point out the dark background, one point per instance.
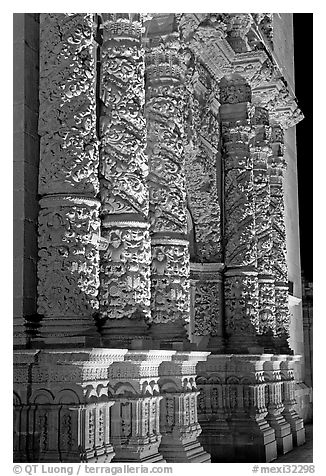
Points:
(303, 63)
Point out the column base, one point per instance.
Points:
(67, 332)
(177, 450)
(253, 440)
(297, 427)
(125, 333)
(283, 433)
(217, 440)
(171, 335)
(146, 453)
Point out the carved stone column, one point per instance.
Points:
(207, 329)
(63, 393)
(125, 264)
(261, 152)
(289, 412)
(168, 209)
(275, 406)
(69, 225)
(203, 182)
(179, 419)
(240, 245)
(276, 168)
(136, 435)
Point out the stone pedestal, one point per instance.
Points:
(289, 412)
(237, 409)
(62, 405)
(275, 406)
(179, 421)
(136, 417)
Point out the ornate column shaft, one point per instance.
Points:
(276, 167)
(69, 225)
(260, 151)
(125, 264)
(240, 245)
(168, 210)
(203, 182)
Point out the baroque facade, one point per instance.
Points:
(153, 321)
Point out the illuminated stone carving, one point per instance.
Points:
(124, 271)
(67, 118)
(165, 102)
(280, 272)
(241, 284)
(261, 152)
(170, 281)
(275, 405)
(234, 396)
(179, 420)
(68, 260)
(200, 167)
(125, 265)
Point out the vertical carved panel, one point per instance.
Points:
(125, 265)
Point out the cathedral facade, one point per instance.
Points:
(157, 301)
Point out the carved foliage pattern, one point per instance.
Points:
(208, 308)
(241, 304)
(200, 168)
(266, 307)
(67, 117)
(68, 257)
(282, 314)
(276, 166)
(124, 167)
(124, 272)
(165, 104)
(240, 241)
(170, 282)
